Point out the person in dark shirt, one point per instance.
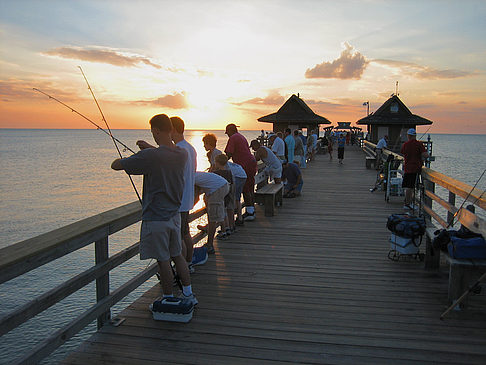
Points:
(292, 176)
(163, 185)
(413, 153)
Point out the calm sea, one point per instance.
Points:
(50, 178)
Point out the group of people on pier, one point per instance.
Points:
(172, 186)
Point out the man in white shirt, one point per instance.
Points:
(278, 146)
(189, 181)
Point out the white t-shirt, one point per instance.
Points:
(278, 147)
(209, 182)
(187, 202)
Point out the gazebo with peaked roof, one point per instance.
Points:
(393, 118)
(294, 114)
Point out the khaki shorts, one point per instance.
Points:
(161, 240)
(274, 172)
(215, 204)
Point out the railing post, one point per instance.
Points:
(428, 186)
(452, 201)
(103, 282)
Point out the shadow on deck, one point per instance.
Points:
(311, 285)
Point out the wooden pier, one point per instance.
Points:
(312, 284)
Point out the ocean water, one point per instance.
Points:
(50, 178)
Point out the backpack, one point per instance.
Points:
(407, 226)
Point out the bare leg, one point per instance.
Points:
(408, 196)
(182, 270)
(166, 277)
(187, 242)
(211, 231)
(230, 217)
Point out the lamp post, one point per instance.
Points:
(367, 103)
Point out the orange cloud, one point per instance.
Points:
(348, 66)
(174, 101)
(14, 90)
(101, 56)
(273, 98)
(423, 72)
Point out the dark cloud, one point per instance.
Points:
(348, 66)
(174, 101)
(101, 56)
(273, 98)
(423, 72)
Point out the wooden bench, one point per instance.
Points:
(462, 272)
(270, 195)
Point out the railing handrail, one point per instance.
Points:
(29, 254)
(455, 187)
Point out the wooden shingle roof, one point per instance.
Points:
(394, 111)
(294, 110)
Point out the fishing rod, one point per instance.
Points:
(109, 130)
(422, 136)
(126, 148)
(465, 200)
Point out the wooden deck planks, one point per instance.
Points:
(310, 285)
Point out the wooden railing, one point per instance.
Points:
(451, 213)
(27, 255)
(454, 188)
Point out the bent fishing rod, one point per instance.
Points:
(85, 117)
(109, 130)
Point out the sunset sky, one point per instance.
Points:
(214, 62)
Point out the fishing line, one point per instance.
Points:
(109, 130)
(465, 200)
(125, 147)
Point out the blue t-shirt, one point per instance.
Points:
(341, 141)
(291, 173)
(163, 180)
(290, 142)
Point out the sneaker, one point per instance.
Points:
(248, 217)
(191, 298)
(221, 235)
(240, 222)
(200, 256)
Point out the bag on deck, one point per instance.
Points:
(406, 226)
(467, 248)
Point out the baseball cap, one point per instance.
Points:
(411, 132)
(231, 126)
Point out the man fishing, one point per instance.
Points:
(163, 183)
(413, 153)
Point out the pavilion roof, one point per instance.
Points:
(394, 111)
(294, 110)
